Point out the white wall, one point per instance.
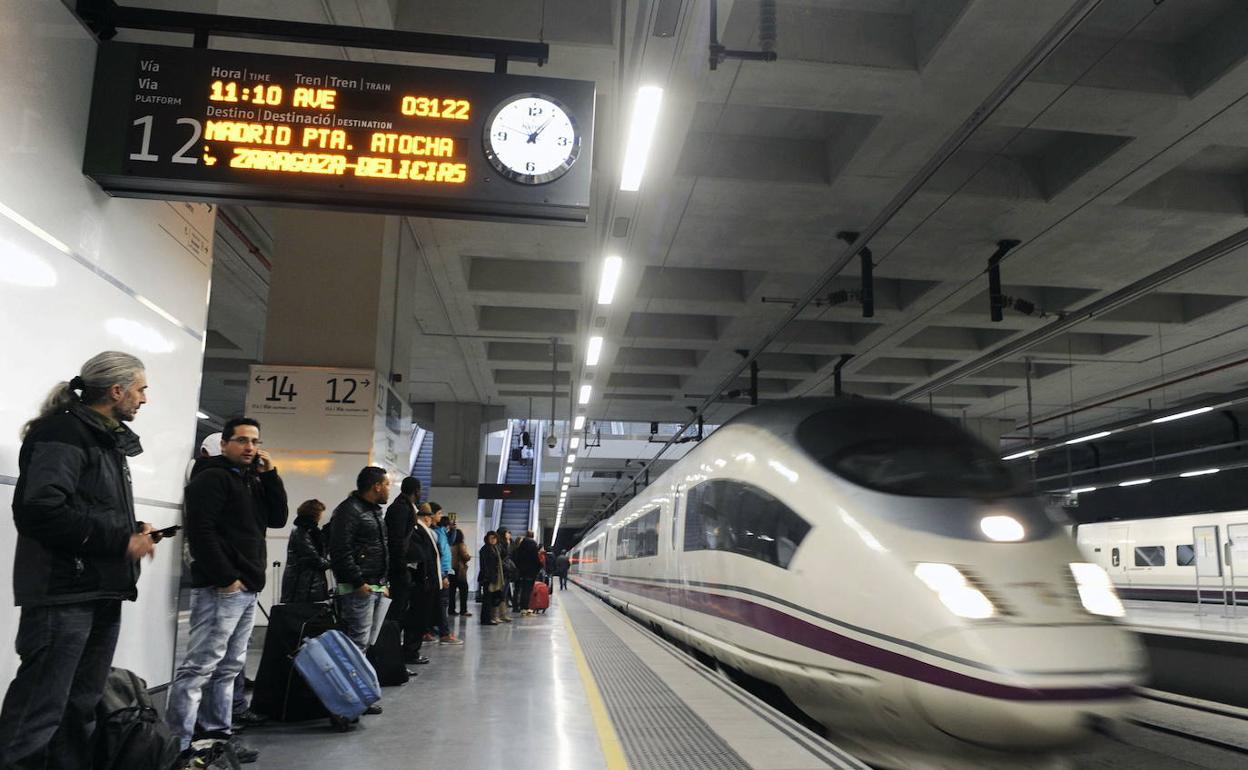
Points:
(81, 273)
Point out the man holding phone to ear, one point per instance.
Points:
(230, 501)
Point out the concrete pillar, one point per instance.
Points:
(337, 282)
(334, 334)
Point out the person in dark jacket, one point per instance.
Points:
(528, 565)
(411, 569)
(562, 564)
(504, 547)
(359, 556)
(77, 559)
(307, 557)
(230, 502)
(490, 573)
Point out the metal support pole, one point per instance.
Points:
(868, 283)
(836, 374)
(996, 300)
(753, 387)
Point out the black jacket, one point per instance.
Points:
(427, 559)
(307, 558)
(400, 526)
(228, 509)
(488, 561)
(74, 512)
(562, 563)
(357, 543)
(527, 562)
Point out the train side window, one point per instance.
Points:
(639, 537)
(1185, 555)
(1114, 558)
(726, 515)
(1150, 556)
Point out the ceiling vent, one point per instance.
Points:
(600, 322)
(619, 228)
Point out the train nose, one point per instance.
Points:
(1033, 688)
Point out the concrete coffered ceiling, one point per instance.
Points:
(1123, 152)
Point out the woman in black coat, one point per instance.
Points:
(307, 557)
(490, 573)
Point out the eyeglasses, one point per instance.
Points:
(244, 440)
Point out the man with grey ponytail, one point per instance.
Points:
(78, 553)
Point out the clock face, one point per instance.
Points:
(531, 139)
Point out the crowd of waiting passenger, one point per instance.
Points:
(80, 547)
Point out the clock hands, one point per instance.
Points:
(533, 136)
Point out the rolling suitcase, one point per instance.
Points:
(280, 693)
(539, 599)
(340, 676)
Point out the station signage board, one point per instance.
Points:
(505, 491)
(231, 127)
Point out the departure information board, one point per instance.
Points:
(230, 127)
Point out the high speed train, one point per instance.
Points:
(883, 569)
(1156, 559)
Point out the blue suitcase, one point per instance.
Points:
(339, 674)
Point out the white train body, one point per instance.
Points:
(836, 616)
(1155, 559)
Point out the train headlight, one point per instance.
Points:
(955, 591)
(1096, 590)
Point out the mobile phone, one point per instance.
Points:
(166, 532)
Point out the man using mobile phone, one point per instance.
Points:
(230, 501)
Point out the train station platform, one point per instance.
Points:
(579, 688)
(1213, 622)
(1196, 655)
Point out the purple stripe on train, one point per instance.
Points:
(794, 629)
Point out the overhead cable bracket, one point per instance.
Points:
(105, 17)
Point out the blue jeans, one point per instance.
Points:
(49, 710)
(356, 613)
(220, 630)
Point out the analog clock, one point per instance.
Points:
(531, 139)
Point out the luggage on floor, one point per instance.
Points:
(386, 655)
(339, 674)
(129, 734)
(539, 598)
(279, 692)
(212, 754)
(516, 456)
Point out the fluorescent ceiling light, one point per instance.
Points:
(1017, 455)
(1134, 482)
(579, 422)
(594, 351)
(586, 391)
(1181, 415)
(611, 269)
(640, 136)
(203, 415)
(571, 459)
(1205, 472)
(574, 442)
(1082, 490)
(1092, 437)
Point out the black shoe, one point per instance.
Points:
(248, 718)
(373, 709)
(418, 659)
(411, 674)
(451, 612)
(245, 754)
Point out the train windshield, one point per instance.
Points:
(907, 453)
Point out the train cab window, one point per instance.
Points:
(730, 516)
(1150, 556)
(1185, 555)
(639, 537)
(1115, 558)
(916, 455)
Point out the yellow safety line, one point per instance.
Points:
(612, 750)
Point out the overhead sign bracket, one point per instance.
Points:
(105, 17)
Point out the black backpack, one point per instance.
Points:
(129, 734)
